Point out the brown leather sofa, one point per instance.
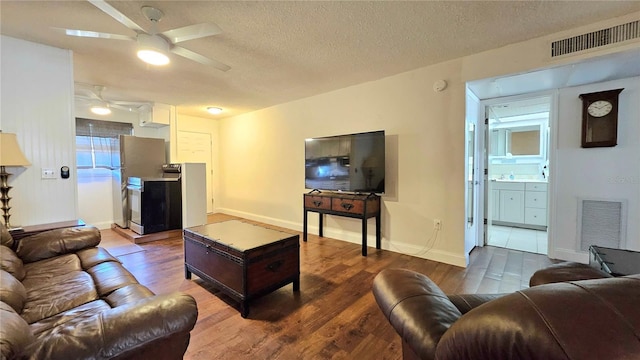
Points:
(578, 320)
(62, 297)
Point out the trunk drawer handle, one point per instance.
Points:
(346, 206)
(317, 203)
(274, 266)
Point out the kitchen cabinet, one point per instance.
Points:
(158, 115)
(519, 203)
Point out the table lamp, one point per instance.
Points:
(10, 155)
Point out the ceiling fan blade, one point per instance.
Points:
(128, 103)
(199, 58)
(111, 11)
(192, 32)
(124, 107)
(94, 34)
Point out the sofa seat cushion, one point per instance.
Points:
(62, 293)
(11, 263)
(12, 292)
(69, 317)
(110, 276)
(45, 271)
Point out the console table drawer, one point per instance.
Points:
(351, 206)
(317, 202)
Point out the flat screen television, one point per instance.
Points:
(353, 163)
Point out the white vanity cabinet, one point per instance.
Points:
(520, 203)
(535, 204)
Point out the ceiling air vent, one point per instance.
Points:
(596, 39)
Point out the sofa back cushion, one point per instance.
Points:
(5, 237)
(11, 263)
(15, 333)
(57, 242)
(589, 319)
(12, 292)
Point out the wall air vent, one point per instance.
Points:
(602, 223)
(612, 35)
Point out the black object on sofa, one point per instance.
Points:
(581, 320)
(62, 297)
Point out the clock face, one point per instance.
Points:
(600, 108)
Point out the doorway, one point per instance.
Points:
(196, 147)
(517, 134)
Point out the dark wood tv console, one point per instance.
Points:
(348, 205)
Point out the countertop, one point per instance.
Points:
(520, 180)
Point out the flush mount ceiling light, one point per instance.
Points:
(100, 110)
(153, 49)
(214, 110)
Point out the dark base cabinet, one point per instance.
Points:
(348, 205)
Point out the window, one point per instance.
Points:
(98, 144)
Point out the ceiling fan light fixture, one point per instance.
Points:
(214, 110)
(153, 49)
(100, 110)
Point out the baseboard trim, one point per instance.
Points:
(571, 255)
(356, 238)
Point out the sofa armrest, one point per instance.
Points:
(57, 242)
(416, 307)
(143, 327)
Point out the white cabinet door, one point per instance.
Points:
(512, 206)
(495, 205)
(535, 216)
(536, 199)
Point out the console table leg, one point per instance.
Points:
(187, 273)
(320, 220)
(364, 237)
(304, 227)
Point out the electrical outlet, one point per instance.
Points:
(437, 224)
(48, 173)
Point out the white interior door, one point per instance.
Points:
(474, 229)
(196, 147)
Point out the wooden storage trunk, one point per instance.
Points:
(243, 260)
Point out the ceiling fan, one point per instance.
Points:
(91, 95)
(153, 47)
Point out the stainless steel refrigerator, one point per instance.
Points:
(140, 157)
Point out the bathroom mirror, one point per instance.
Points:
(516, 141)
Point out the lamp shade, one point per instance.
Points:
(10, 153)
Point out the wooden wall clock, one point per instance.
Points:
(600, 118)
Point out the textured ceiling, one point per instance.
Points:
(281, 51)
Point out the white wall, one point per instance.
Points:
(611, 173)
(262, 159)
(37, 105)
(262, 153)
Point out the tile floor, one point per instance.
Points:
(534, 241)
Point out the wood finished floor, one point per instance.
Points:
(334, 316)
